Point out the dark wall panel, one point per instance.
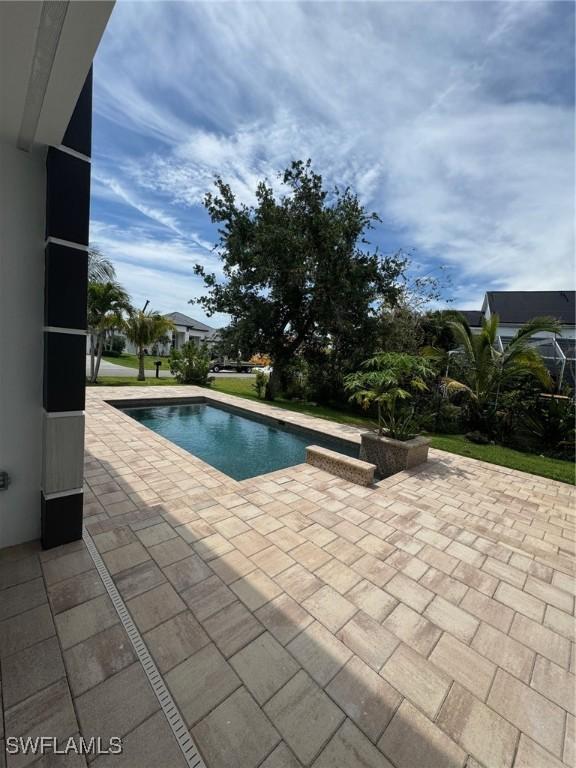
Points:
(64, 371)
(66, 282)
(67, 197)
(61, 520)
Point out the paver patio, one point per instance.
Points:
(298, 619)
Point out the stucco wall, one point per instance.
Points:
(22, 212)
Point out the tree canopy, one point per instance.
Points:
(297, 268)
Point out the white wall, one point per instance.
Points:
(22, 211)
(183, 336)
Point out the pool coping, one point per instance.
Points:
(284, 424)
(224, 405)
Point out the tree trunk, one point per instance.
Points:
(141, 376)
(92, 358)
(99, 351)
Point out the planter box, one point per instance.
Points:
(391, 456)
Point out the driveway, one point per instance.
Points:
(112, 369)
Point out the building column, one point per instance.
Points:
(65, 324)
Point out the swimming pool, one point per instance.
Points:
(237, 445)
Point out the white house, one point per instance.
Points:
(186, 329)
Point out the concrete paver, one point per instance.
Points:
(393, 625)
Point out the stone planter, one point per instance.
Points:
(391, 456)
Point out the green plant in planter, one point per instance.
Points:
(190, 364)
(388, 381)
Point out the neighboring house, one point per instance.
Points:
(186, 329)
(472, 316)
(514, 308)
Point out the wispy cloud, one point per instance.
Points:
(159, 269)
(452, 120)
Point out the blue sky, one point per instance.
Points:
(454, 121)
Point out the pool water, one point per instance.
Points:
(236, 445)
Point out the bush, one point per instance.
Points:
(190, 364)
(443, 417)
(548, 429)
(296, 382)
(260, 383)
(117, 346)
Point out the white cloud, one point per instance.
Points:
(446, 118)
(159, 269)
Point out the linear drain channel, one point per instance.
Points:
(189, 749)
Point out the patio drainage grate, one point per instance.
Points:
(189, 749)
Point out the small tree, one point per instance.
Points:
(143, 328)
(190, 364)
(386, 381)
(106, 304)
(486, 370)
(296, 268)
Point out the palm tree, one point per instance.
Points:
(143, 328)
(387, 380)
(100, 268)
(486, 370)
(106, 303)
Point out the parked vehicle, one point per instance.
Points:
(240, 366)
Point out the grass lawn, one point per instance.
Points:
(131, 361)
(555, 469)
(126, 381)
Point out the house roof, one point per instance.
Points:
(472, 316)
(521, 306)
(180, 319)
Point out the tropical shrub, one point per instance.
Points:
(388, 381)
(260, 383)
(116, 346)
(549, 428)
(443, 416)
(190, 364)
(486, 372)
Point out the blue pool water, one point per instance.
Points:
(238, 446)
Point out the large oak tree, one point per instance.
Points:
(297, 268)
